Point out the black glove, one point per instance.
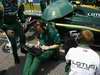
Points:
(35, 51)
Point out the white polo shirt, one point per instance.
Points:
(84, 61)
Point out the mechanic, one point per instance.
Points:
(46, 47)
(82, 60)
(12, 26)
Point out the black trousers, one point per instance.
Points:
(12, 24)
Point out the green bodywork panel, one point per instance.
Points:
(75, 18)
(56, 10)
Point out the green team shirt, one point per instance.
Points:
(51, 37)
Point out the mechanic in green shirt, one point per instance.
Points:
(48, 40)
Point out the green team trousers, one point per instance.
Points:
(32, 63)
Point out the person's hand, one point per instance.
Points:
(37, 43)
(45, 47)
(37, 46)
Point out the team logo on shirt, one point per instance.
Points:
(84, 65)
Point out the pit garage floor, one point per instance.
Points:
(49, 68)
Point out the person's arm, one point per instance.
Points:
(21, 14)
(53, 46)
(67, 67)
(54, 36)
(44, 47)
(98, 69)
(68, 60)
